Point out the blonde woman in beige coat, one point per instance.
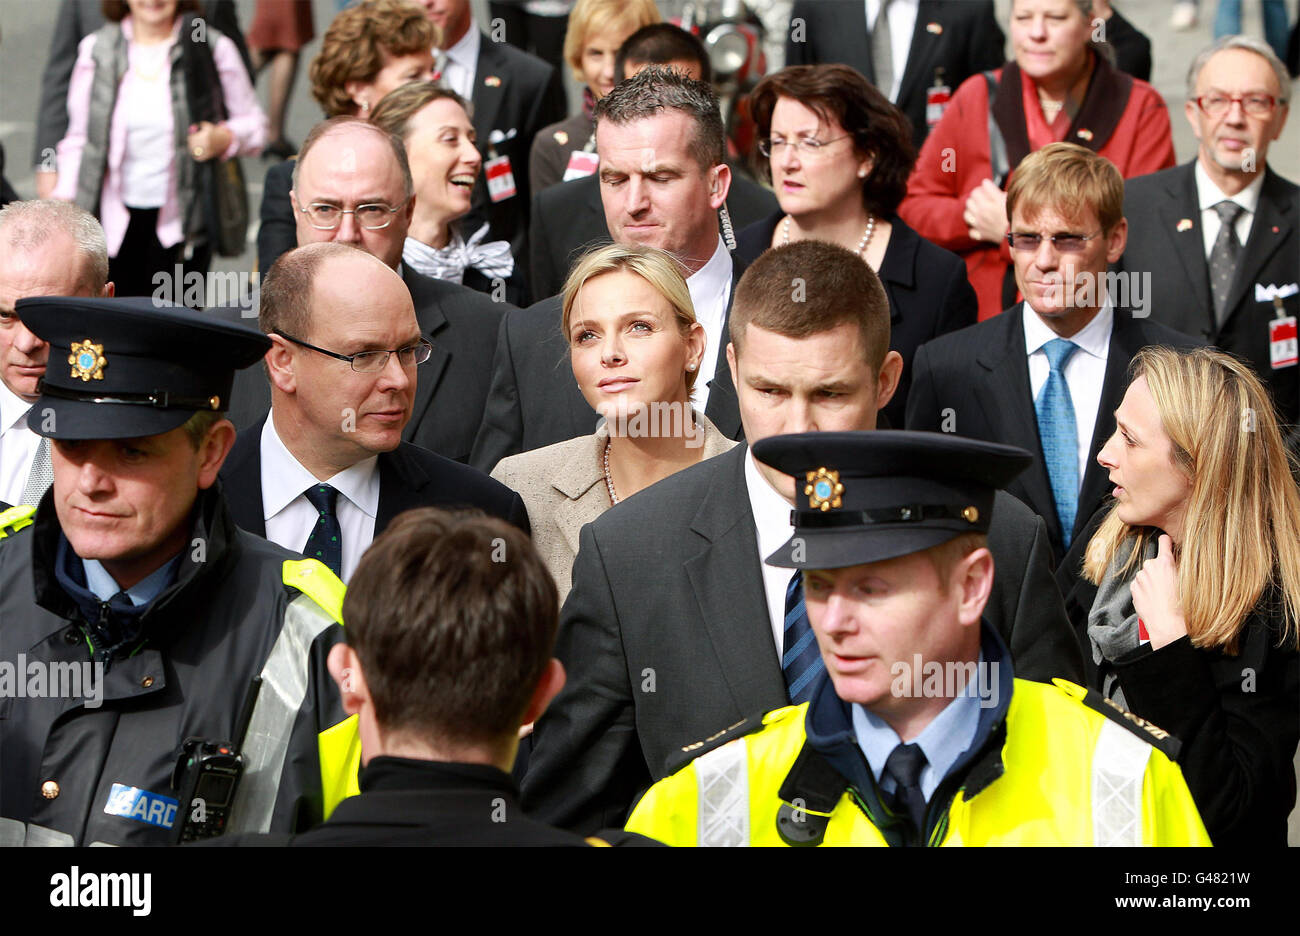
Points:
(635, 348)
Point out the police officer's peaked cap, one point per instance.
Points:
(130, 367)
(868, 496)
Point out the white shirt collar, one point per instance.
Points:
(13, 409)
(1093, 338)
(771, 510)
(465, 52)
(711, 280)
(284, 478)
(1208, 194)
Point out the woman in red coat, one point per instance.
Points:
(1058, 88)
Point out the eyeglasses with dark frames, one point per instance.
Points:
(371, 362)
(1065, 243)
(373, 217)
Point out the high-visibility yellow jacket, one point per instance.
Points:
(1063, 773)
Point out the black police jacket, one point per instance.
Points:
(87, 757)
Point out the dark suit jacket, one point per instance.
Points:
(929, 293)
(1160, 207)
(666, 637)
(451, 387)
(409, 477)
(277, 233)
(569, 217)
(968, 41)
(981, 373)
(77, 19)
(534, 399)
(526, 95)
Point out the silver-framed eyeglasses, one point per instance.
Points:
(808, 146)
(373, 217)
(371, 362)
(1064, 243)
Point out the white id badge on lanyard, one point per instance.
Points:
(500, 178)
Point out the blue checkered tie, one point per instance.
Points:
(801, 660)
(326, 540)
(1059, 435)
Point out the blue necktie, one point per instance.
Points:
(326, 540)
(801, 659)
(1059, 435)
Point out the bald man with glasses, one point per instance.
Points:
(327, 470)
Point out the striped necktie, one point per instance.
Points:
(801, 660)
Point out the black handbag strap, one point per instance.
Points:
(202, 80)
(997, 144)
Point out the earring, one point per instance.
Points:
(690, 367)
(365, 108)
(862, 173)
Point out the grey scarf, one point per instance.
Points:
(1112, 622)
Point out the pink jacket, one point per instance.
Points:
(246, 122)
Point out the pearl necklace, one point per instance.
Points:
(862, 244)
(609, 478)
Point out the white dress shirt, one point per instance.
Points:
(902, 23)
(773, 528)
(290, 517)
(460, 62)
(1085, 371)
(710, 290)
(1208, 195)
(17, 445)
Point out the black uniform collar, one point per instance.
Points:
(391, 774)
(828, 728)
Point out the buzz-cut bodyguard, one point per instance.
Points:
(656, 89)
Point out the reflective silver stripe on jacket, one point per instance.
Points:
(14, 833)
(284, 686)
(1119, 765)
(723, 777)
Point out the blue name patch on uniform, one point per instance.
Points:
(134, 803)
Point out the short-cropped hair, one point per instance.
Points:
(285, 293)
(1250, 44)
(657, 89)
(1066, 177)
(589, 17)
(334, 124)
(879, 129)
(358, 43)
(25, 225)
(453, 616)
(803, 289)
(661, 44)
(393, 114)
(660, 269)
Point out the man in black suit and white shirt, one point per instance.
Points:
(1238, 287)
(345, 163)
(919, 44)
(663, 178)
(1048, 374)
(514, 95)
(661, 654)
(327, 469)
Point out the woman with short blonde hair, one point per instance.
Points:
(635, 349)
(1194, 624)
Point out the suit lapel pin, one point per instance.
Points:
(492, 81)
(561, 137)
(1083, 133)
(1184, 224)
(935, 29)
(1275, 229)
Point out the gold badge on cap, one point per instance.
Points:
(87, 360)
(823, 489)
(970, 514)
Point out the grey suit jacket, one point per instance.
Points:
(666, 637)
(563, 487)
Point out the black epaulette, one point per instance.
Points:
(693, 750)
(809, 794)
(1157, 737)
(14, 519)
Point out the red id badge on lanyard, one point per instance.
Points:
(581, 164)
(1282, 342)
(500, 178)
(936, 100)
